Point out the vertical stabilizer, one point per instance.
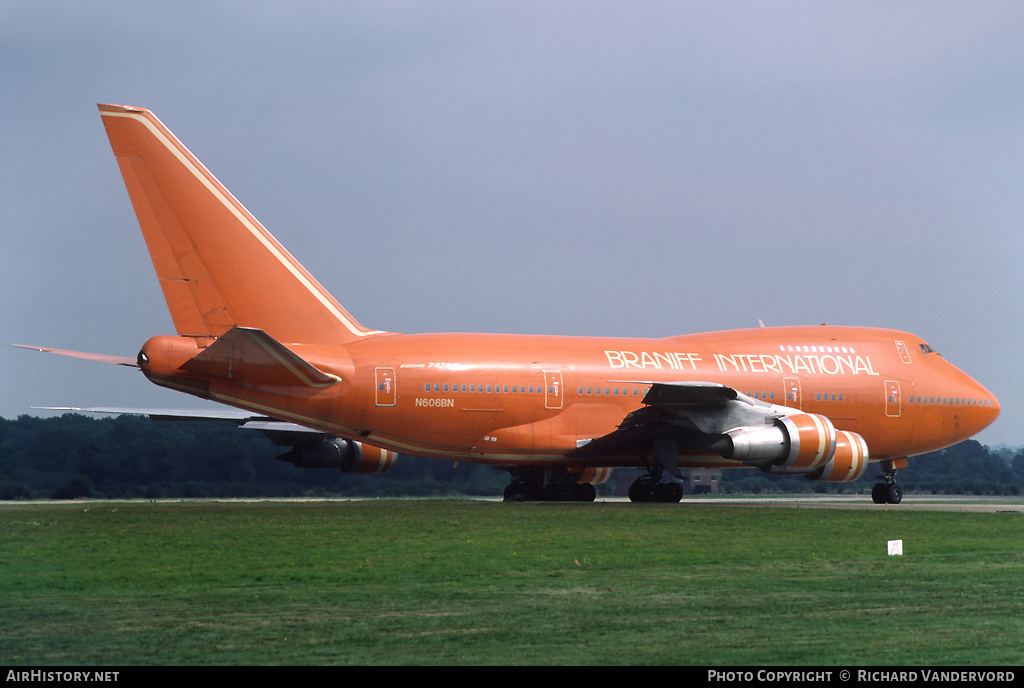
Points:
(217, 265)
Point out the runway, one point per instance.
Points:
(1013, 505)
(862, 502)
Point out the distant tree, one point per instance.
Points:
(10, 489)
(131, 456)
(78, 486)
(1017, 465)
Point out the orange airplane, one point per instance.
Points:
(256, 331)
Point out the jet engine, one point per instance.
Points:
(796, 444)
(345, 455)
(595, 475)
(848, 463)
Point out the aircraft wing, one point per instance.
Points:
(244, 419)
(679, 416)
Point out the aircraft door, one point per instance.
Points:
(791, 387)
(386, 386)
(892, 399)
(902, 349)
(553, 391)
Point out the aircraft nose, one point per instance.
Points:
(984, 406)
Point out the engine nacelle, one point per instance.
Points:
(595, 475)
(848, 463)
(796, 443)
(345, 455)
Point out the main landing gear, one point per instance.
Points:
(532, 485)
(650, 488)
(887, 491)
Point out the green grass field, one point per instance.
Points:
(467, 582)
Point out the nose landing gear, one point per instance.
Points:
(887, 491)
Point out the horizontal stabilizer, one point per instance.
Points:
(251, 356)
(245, 419)
(237, 416)
(102, 358)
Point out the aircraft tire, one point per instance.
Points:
(559, 492)
(880, 493)
(895, 494)
(585, 492)
(670, 493)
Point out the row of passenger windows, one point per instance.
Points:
(954, 401)
(530, 389)
(818, 396)
(636, 391)
(609, 391)
(494, 389)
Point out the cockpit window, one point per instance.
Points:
(925, 349)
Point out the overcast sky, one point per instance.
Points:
(586, 168)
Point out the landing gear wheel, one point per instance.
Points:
(647, 489)
(886, 493)
(670, 493)
(880, 493)
(559, 492)
(585, 492)
(643, 489)
(895, 493)
(521, 490)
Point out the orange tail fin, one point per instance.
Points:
(218, 267)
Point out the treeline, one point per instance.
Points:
(133, 457)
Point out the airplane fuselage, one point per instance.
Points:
(520, 399)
